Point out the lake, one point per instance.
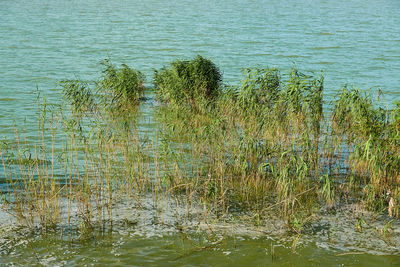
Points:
(353, 42)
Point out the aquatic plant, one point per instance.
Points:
(371, 136)
(263, 147)
(260, 87)
(191, 82)
(78, 94)
(120, 87)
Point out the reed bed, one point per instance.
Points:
(263, 147)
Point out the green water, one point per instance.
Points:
(43, 42)
(125, 250)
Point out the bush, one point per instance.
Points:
(78, 95)
(120, 87)
(192, 83)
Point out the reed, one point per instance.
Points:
(264, 147)
(120, 87)
(193, 83)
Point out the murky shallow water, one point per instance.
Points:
(42, 42)
(141, 236)
(113, 249)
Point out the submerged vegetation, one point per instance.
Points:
(264, 148)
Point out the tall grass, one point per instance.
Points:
(120, 87)
(192, 83)
(267, 141)
(263, 147)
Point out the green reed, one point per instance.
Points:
(193, 83)
(267, 141)
(263, 147)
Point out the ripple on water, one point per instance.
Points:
(64, 39)
(325, 47)
(326, 33)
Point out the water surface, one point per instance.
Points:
(43, 42)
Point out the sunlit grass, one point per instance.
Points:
(263, 147)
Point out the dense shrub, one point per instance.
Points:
(120, 87)
(192, 83)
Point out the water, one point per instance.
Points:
(126, 250)
(43, 42)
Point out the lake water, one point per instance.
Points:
(42, 42)
(126, 250)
